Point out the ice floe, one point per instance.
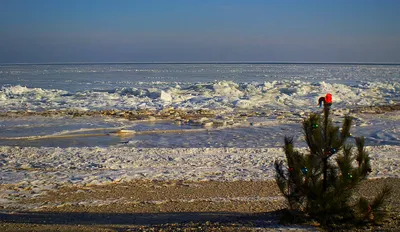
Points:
(226, 95)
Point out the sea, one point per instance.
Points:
(44, 151)
(284, 91)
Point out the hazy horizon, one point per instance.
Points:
(177, 31)
(201, 62)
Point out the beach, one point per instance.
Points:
(159, 148)
(174, 205)
(126, 189)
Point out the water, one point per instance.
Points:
(81, 77)
(283, 93)
(225, 88)
(194, 86)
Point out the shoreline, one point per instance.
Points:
(172, 205)
(52, 188)
(170, 113)
(30, 172)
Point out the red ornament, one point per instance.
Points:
(328, 98)
(291, 169)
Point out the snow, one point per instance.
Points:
(45, 166)
(285, 93)
(33, 171)
(226, 95)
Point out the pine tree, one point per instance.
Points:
(318, 186)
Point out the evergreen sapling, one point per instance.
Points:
(322, 184)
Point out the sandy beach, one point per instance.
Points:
(173, 205)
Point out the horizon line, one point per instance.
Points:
(201, 62)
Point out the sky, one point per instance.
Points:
(47, 31)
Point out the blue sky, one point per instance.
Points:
(201, 30)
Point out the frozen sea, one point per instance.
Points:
(281, 94)
(275, 89)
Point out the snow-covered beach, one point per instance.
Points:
(60, 124)
(40, 169)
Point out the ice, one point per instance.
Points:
(47, 165)
(226, 95)
(284, 93)
(33, 171)
(165, 96)
(193, 86)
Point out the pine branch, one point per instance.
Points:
(363, 159)
(346, 125)
(381, 197)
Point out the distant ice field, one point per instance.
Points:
(276, 89)
(75, 77)
(194, 86)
